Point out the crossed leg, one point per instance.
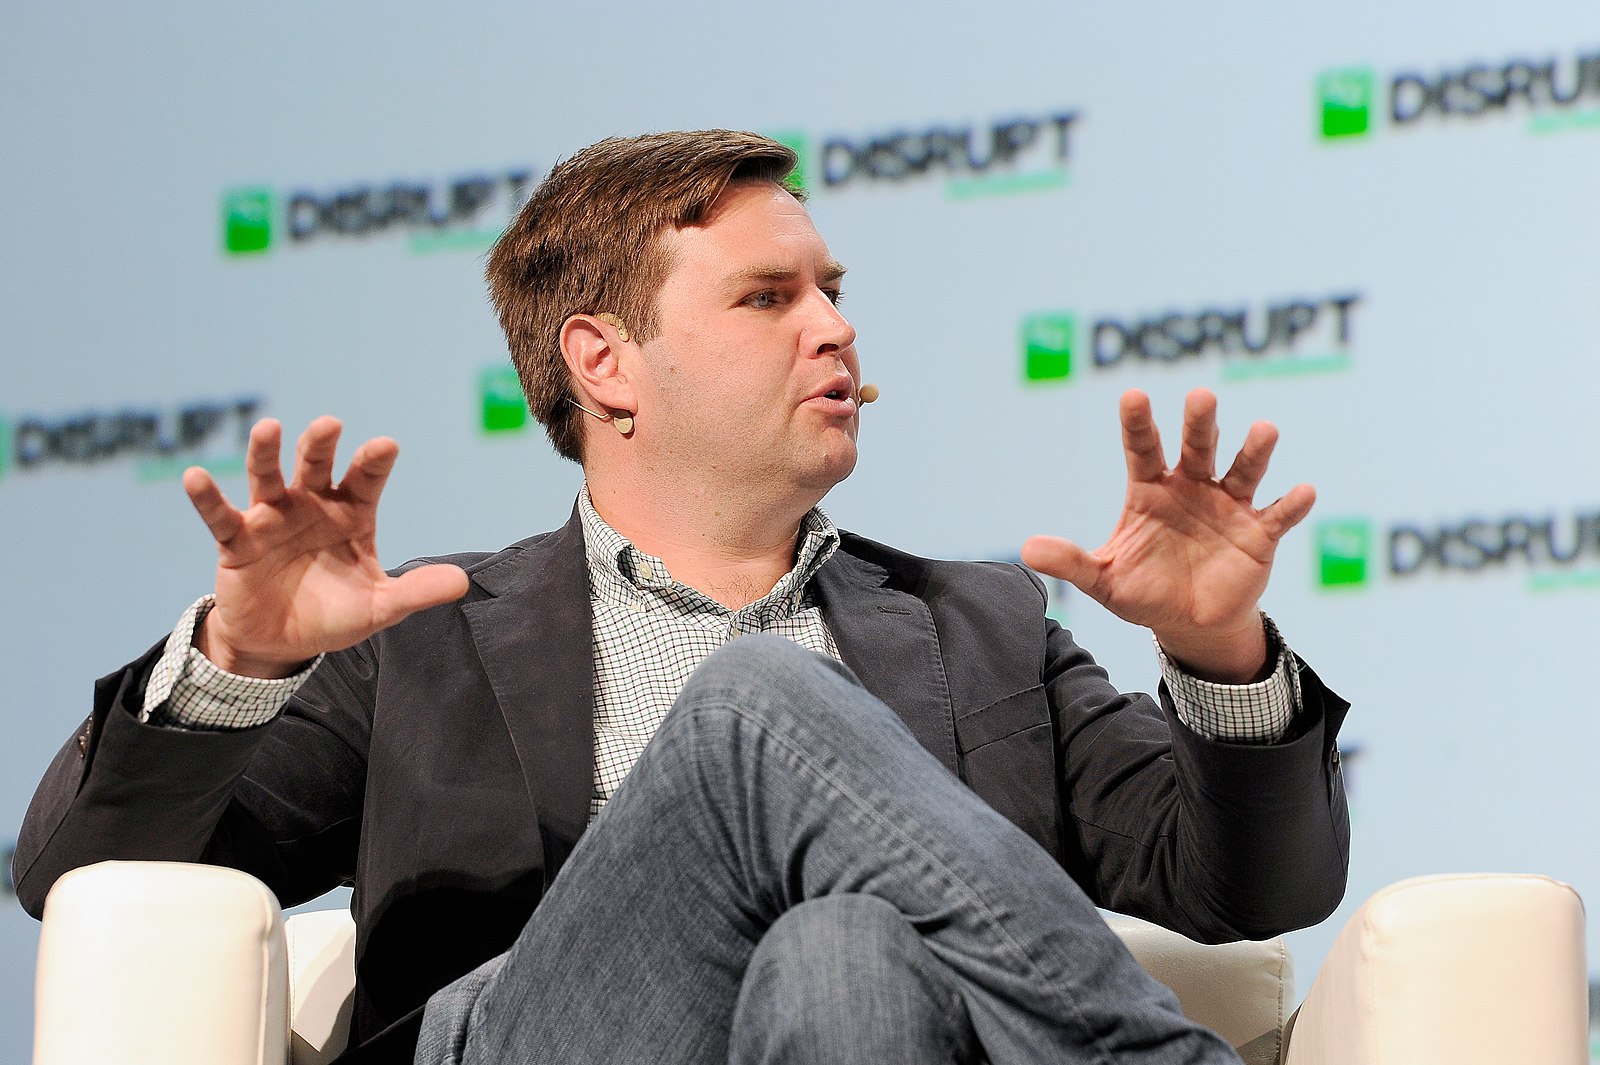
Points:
(776, 781)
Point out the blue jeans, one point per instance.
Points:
(775, 783)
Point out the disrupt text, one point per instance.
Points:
(365, 209)
(1536, 541)
(1478, 88)
(1273, 328)
(955, 151)
(92, 437)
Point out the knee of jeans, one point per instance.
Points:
(766, 684)
(763, 673)
(764, 667)
(760, 653)
(827, 945)
(833, 964)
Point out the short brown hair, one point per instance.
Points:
(588, 241)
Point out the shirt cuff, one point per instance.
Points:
(188, 691)
(1258, 713)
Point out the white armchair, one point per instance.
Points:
(194, 965)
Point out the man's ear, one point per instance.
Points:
(592, 347)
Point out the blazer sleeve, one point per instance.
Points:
(1219, 841)
(281, 801)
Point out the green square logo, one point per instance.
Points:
(1342, 551)
(247, 221)
(1345, 99)
(801, 145)
(504, 407)
(1047, 341)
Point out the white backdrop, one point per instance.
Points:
(1180, 167)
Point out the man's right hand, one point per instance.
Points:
(298, 572)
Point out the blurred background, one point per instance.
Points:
(1376, 227)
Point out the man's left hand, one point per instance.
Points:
(1191, 554)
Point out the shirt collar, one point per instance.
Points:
(613, 560)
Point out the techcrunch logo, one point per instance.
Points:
(1017, 153)
(1557, 93)
(501, 401)
(1552, 550)
(466, 212)
(161, 442)
(1270, 339)
(1343, 548)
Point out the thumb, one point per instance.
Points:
(1063, 559)
(419, 588)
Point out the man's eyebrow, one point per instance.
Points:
(831, 271)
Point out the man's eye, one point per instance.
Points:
(762, 300)
(834, 295)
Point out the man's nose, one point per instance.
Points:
(829, 331)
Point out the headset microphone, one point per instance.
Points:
(866, 394)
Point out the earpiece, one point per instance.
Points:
(623, 422)
(616, 323)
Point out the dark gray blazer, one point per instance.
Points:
(444, 767)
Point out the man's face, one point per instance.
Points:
(750, 383)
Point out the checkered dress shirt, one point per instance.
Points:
(650, 632)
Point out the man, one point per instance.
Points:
(897, 860)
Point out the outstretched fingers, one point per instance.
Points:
(1250, 465)
(1063, 559)
(1141, 443)
(220, 516)
(419, 589)
(369, 469)
(1288, 511)
(313, 455)
(261, 465)
(1197, 457)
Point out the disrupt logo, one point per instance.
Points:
(1047, 345)
(1345, 98)
(1553, 87)
(161, 438)
(1534, 541)
(475, 206)
(501, 401)
(1342, 550)
(1036, 147)
(1265, 339)
(1553, 549)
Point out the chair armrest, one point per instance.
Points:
(1474, 969)
(161, 963)
(1242, 991)
(322, 984)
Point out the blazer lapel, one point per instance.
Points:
(534, 636)
(887, 637)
